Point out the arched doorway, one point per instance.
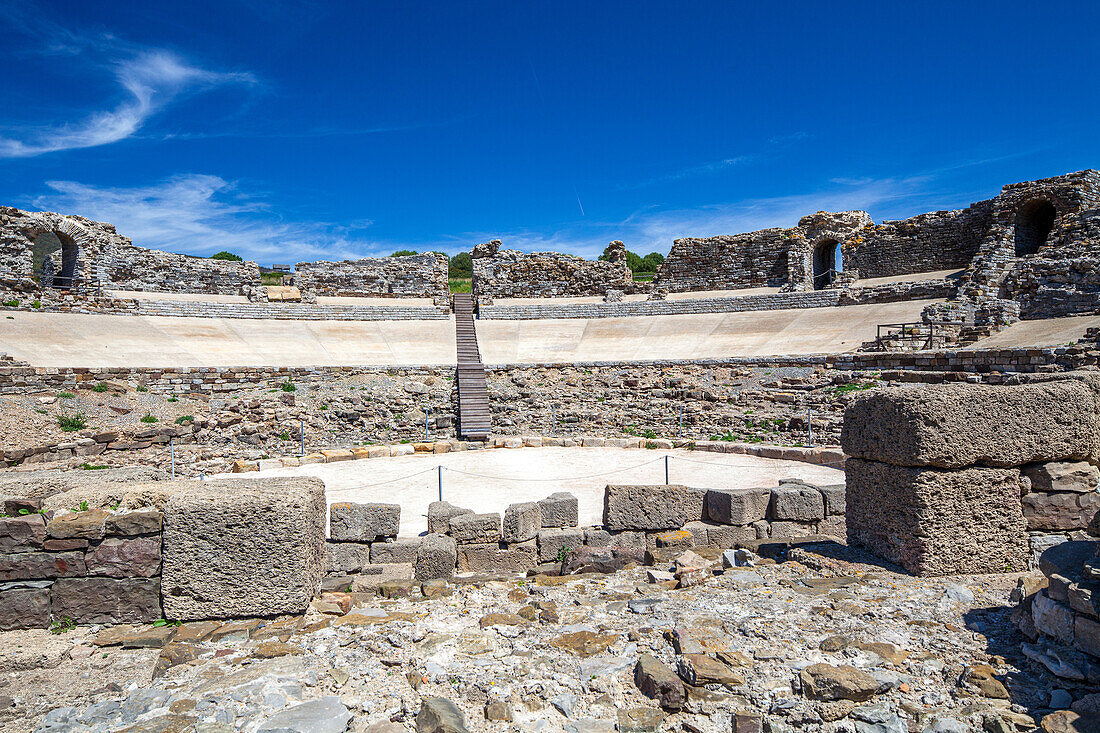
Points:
(825, 263)
(1034, 221)
(51, 273)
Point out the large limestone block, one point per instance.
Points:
(958, 425)
(522, 522)
(240, 547)
(738, 506)
(349, 522)
(652, 507)
(935, 522)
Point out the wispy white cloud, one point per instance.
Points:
(150, 80)
(203, 214)
(691, 171)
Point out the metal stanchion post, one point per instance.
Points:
(681, 421)
(425, 424)
(666, 469)
(553, 421)
(810, 426)
(439, 470)
(172, 450)
(302, 435)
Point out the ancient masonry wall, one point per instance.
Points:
(509, 273)
(420, 276)
(94, 254)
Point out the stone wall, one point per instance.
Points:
(728, 262)
(509, 273)
(94, 254)
(408, 276)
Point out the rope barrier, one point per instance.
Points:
(392, 480)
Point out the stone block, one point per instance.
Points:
(522, 522)
(22, 534)
(396, 551)
(24, 608)
(87, 525)
(834, 526)
(1052, 618)
(346, 557)
(834, 498)
(783, 529)
(738, 506)
(726, 536)
(243, 547)
(797, 503)
(350, 522)
(560, 509)
(934, 522)
(106, 600)
(1059, 512)
(440, 514)
(1086, 635)
(372, 577)
(552, 542)
(957, 425)
(1077, 476)
(491, 558)
(651, 508)
(143, 521)
(137, 557)
(595, 537)
(476, 529)
(436, 557)
(41, 565)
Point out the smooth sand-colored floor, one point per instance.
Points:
(1046, 332)
(68, 339)
(698, 336)
(490, 480)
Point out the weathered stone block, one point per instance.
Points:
(834, 498)
(395, 551)
(88, 525)
(595, 537)
(436, 557)
(145, 521)
(833, 526)
(560, 509)
(738, 506)
(781, 529)
(727, 536)
(522, 522)
(346, 557)
(552, 542)
(1052, 618)
(954, 425)
(1086, 635)
(1079, 476)
(22, 534)
(440, 514)
(24, 608)
(797, 503)
(138, 557)
(481, 558)
(41, 565)
(106, 600)
(243, 547)
(476, 528)
(350, 522)
(1061, 511)
(934, 522)
(651, 507)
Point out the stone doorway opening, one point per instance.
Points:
(826, 263)
(1034, 222)
(53, 269)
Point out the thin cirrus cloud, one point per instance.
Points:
(150, 79)
(202, 214)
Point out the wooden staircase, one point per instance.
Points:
(473, 392)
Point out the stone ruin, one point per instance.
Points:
(509, 273)
(1035, 244)
(418, 276)
(83, 255)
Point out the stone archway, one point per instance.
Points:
(58, 252)
(825, 267)
(1034, 222)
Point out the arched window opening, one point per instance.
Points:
(1034, 222)
(826, 263)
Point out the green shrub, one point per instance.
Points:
(185, 419)
(460, 285)
(65, 395)
(60, 626)
(36, 304)
(69, 423)
(100, 387)
(228, 256)
(142, 388)
(90, 467)
(288, 386)
(284, 435)
(173, 399)
(13, 303)
(147, 417)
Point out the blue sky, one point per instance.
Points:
(291, 131)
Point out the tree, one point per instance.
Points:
(652, 261)
(462, 265)
(223, 255)
(404, 253)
